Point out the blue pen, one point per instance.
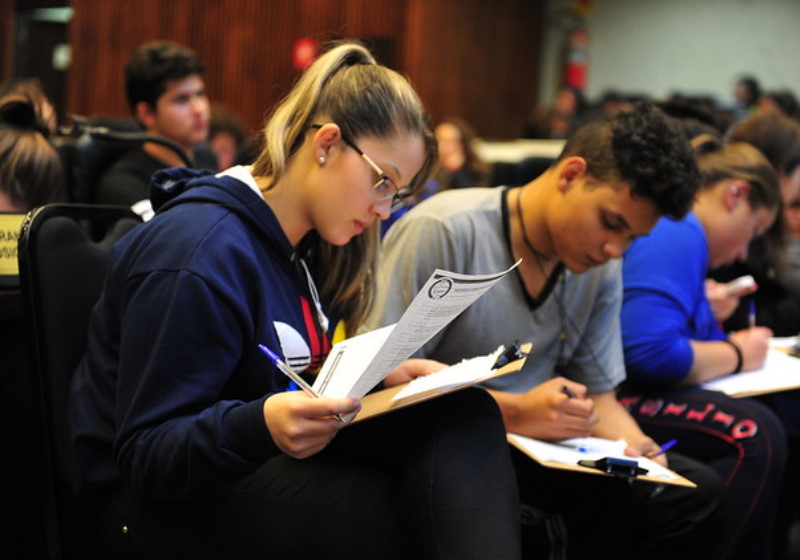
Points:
(666, 447)
(293, 375)
(751, 314)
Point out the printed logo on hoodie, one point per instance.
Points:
(304, 353)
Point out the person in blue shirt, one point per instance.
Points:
(673, 341)
(184, 434)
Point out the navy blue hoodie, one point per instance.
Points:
(168, 397)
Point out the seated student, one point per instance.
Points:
(32, 88)
(781, 101)
(570, 226)
(184, 432)
(30, 169)
(778, 138)
(792, 215)
(227, 138)
(746, 93)
(167, 96)
(673, 341)
(459, 164)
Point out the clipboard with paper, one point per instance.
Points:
(780, 372)
(356, 365)
(459, 376)
(567, 455)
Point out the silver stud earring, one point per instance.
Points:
(321, 160)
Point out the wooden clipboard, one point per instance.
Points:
(781, 372)
(677, 480)
(380, 402)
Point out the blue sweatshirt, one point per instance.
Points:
(168, 397)
(665, 305)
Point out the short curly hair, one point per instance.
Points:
(644, 149)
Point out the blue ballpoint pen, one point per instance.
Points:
(666, 447)
(751, 315)
(293, 375)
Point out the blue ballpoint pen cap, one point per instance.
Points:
(272, 355)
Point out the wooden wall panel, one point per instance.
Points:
(475, 58)
(6, 38)
(478, 60)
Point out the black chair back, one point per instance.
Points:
(63, 255)
(97, 149)
(519, 172)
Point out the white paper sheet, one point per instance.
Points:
(466, 372)
(780, 372)
(443, 297)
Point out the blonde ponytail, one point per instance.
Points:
(363, 98)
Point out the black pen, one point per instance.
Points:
(566, 390)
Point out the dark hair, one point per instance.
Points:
(645, 149)
(153, 65)
(226, 120)
(694, 116)
(30, 169)
(32, 89)
(775, 135)
(752, 87)
(785, 101)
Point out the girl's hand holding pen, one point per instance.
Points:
(301, 425)
(754, 344)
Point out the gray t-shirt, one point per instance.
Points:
(465, 231)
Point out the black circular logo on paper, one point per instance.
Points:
(440, 288)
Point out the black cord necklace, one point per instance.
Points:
(538, 255)
(565, 320)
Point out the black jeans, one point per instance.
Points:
(590, 516)
(432, 481)
(741, 439)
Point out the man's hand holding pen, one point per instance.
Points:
(650, 449)
(550, 412)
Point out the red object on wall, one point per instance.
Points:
(304, 52)
(577, 58)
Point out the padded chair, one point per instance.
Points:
(97, 149)
(63, 254)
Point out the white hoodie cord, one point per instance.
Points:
(323, 319)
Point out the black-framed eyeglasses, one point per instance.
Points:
(385, 188)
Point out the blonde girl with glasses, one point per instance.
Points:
(191, 444)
